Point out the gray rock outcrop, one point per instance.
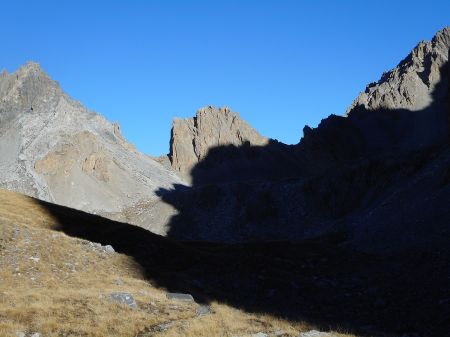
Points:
(124, 298)
(180, 297)
(315, 333)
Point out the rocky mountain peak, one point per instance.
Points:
(32, 77)
(31, 68)
(55, 149)
(29, 89)
(442, 37)
(192, 138)
(410, 85)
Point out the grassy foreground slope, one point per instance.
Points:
(59, 285)
(57, 276)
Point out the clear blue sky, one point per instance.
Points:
(280, 64)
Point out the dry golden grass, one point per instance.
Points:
(60, 286)
(228, 321)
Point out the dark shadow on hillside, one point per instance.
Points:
(323, 280)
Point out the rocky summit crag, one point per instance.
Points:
(409, 85)
(192, 138)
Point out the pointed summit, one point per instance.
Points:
(30, 89)
(442, 37)
(31, 69)
(32, 66)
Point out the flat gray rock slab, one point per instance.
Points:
(278, 333)
(315, 333)
(260, 334)
(180, 297)
(124, 298)
(204, 310)
(165, 326)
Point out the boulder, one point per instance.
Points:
(124, 298)
(204, 310)
(180, 297)
(315, 333)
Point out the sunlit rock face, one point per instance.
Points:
(193, 138)
(55, 149)
(411, 84)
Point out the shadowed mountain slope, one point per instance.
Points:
(378, 174)
(405, 111)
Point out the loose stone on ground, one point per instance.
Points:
(124, 298)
